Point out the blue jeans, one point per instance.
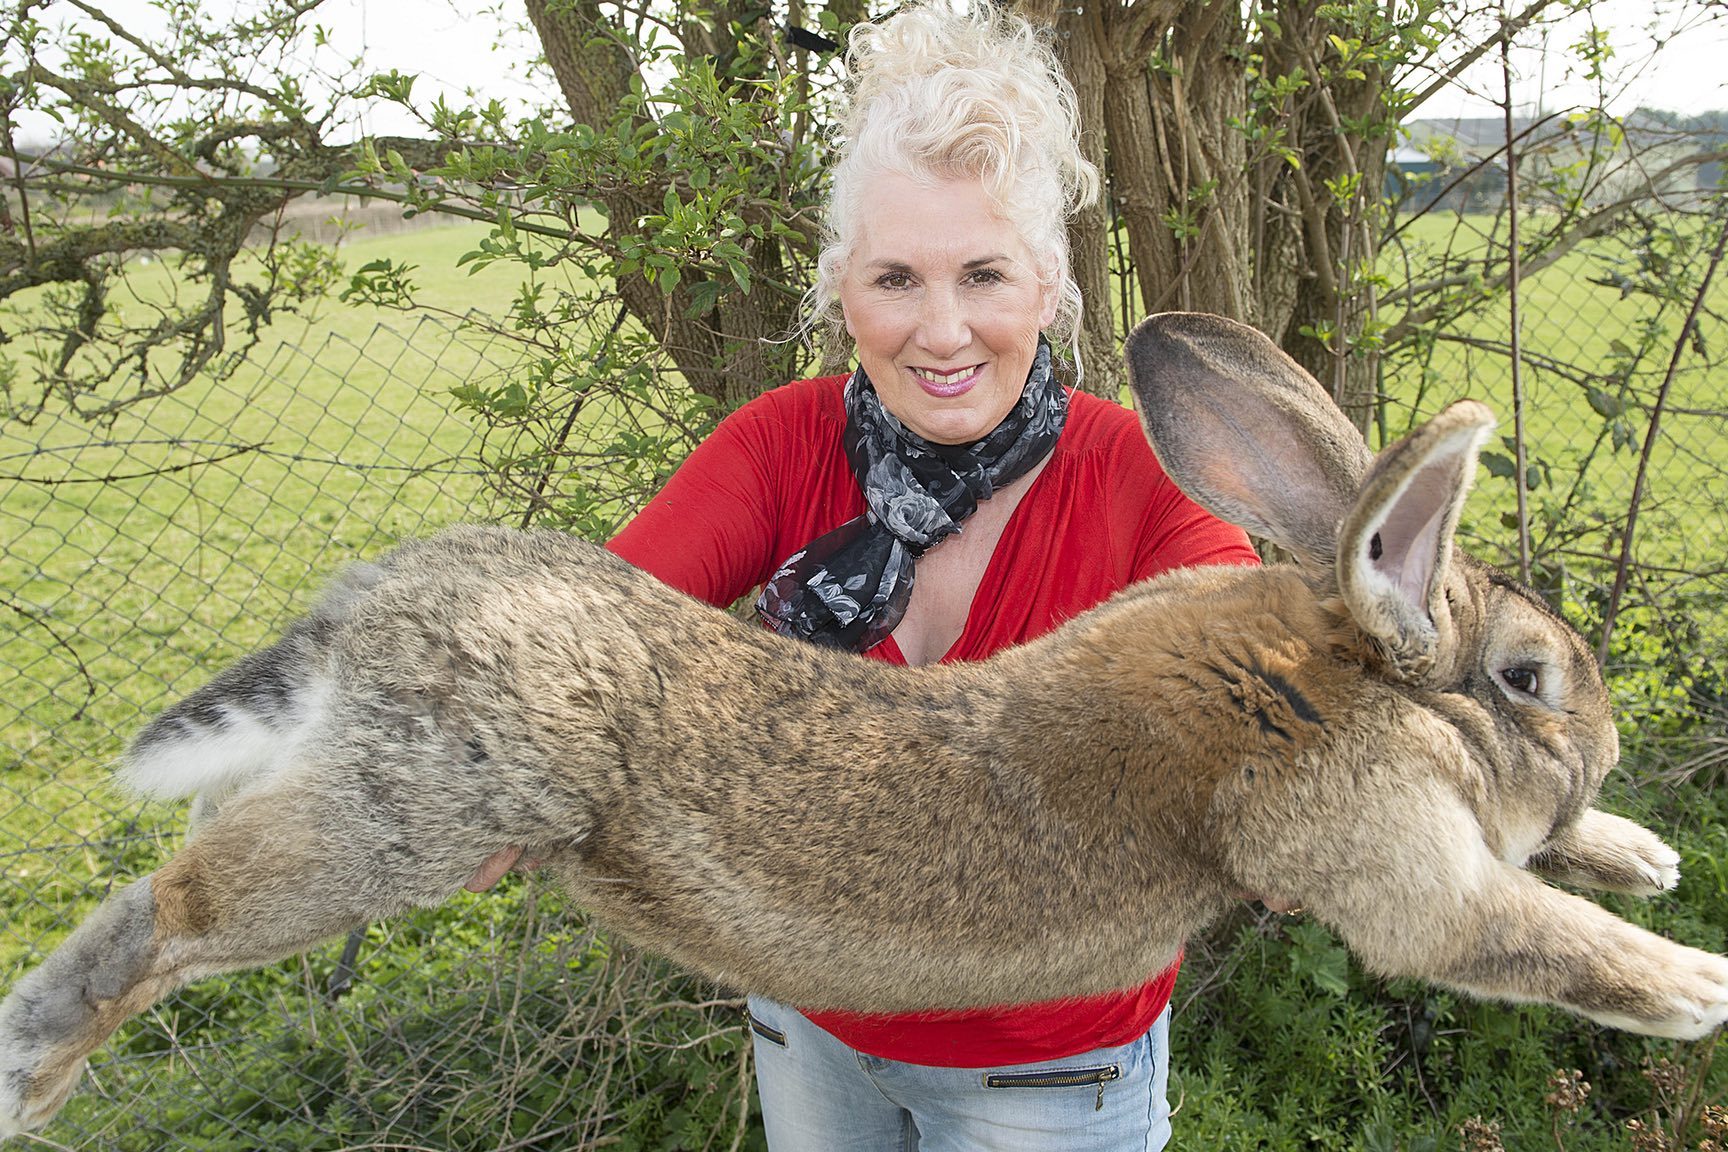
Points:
(818, 1095)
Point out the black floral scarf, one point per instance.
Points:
(849, 588)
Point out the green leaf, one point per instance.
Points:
(1320, 958)
(1603, 404)
(1499, 465)
(704, 295)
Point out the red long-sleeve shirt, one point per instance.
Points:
(1102, 515)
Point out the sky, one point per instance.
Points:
(454, 46)
(1687, 74)
(451, 47)
(1667, 54)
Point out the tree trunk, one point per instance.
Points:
(1089, 232)
(1340, 129)
(736, 349)
(1173, 92)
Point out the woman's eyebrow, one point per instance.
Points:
(889, 264)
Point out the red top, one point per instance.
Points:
(1102, 515)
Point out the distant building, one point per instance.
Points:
(1460, 164)
(1454, 172)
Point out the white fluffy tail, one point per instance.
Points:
(251, 721)
(228, 744)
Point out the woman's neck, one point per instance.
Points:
(949, 574)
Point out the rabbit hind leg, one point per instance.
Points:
(266, 879)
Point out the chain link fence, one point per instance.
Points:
(1620, 416)
(145, 551)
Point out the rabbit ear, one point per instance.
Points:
(1244, 431)
(1396, 544)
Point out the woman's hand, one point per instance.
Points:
(497, 864)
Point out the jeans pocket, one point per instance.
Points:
(1096, 1075)
(767, 1031)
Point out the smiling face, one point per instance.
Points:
(944, 302)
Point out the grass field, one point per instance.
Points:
(237, 497)
(1577, 335)
(138, 557)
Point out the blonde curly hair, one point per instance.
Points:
(937, 94)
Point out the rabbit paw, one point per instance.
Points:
(1662, 867)
(1699, 996)
(26, 1103)
(1646, 864)
(1611, 854)
(37, 1075)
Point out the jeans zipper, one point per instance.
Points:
(1066, 1078)
(772, 1035)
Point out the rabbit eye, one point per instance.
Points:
(1525, 680)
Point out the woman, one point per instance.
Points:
(948, 500)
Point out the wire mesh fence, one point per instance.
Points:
(140, 555)
(1620, 419)
(145, 550)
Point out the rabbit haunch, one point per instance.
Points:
(1388, 733)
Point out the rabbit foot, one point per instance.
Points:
(1611, 854)
(27, 1101)
(1698, 997)
(1646, 855)
(55, 1016)
(1661, 864)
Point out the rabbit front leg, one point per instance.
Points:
(266, 878)
(1405, 877)
(1498, 932)
(1611, 854)
(1529, 941)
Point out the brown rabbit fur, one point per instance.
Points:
(1388, 733)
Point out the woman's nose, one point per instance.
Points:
(943, 328)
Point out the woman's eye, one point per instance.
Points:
(894, 280)
(986, 276)
(1525, 680)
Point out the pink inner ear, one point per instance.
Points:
(1410, 535)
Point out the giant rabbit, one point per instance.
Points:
(1388, 732)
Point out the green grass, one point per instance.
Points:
(118, 595)
(1575, 334)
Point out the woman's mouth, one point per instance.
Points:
(953, 382)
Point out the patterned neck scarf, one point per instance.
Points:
(849, 588)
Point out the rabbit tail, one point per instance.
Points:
(248, 723)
